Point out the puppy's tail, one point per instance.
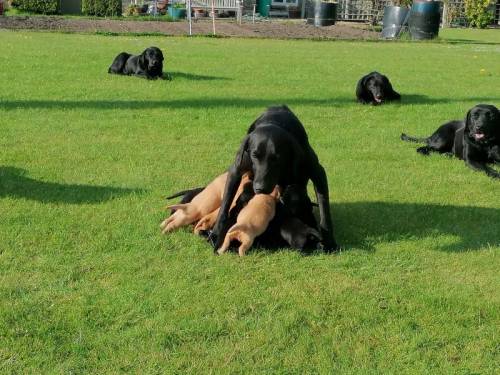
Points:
(184, 192)
(409, 138)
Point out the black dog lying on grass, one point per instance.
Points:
(375, 88)
(476, 140)
(149, 64)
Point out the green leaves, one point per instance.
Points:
(478, 12)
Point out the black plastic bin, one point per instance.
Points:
(321, 13)
(424, 19)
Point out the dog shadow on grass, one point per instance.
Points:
(196, 77)
(15, 183)
(362, 224)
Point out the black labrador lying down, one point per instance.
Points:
(149, 64)
(276, 152)
(375, 88)
(476, 140)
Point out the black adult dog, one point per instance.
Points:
(149, 64)
(276, 151)
(476, 140)
(375, 88)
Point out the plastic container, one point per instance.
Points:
(424, 19)
(322, 14)
(394, 19)
(263, 7)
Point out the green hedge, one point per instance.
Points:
(102, 8)
(38, 6)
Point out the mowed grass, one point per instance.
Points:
(88, 284)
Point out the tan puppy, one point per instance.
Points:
(252, 221)
(202, 204)
(207, 222)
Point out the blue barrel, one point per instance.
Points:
(424, 19)
(394, 19)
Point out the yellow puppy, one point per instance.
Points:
(204, 203)
(207, 222)
(252, 221)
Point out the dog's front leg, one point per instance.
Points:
(216, 236)
(318, 177)
(479, 166)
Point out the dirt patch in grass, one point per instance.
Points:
(275, 29)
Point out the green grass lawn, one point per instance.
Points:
(88, 284)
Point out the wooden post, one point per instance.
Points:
(213, 17)
(253, 14)
(189, 18)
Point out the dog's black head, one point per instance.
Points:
(482, 124)
(378, 86)
(272, 154)
(152, 59)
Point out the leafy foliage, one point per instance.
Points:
(478, 12)
(37, 6)
(102, 8)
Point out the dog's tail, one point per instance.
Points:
(194, 191)
(409, 138)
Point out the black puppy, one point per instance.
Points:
(149, 64)
(475, 140)
(276, 151)
(375, 88)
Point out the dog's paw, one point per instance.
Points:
(212, 239)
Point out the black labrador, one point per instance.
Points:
(375, 88)
(476, 140)
(149, 64)
(276, 151)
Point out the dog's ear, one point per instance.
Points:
(467, 119)
(242, 154)
(142, 60)
(297, 160)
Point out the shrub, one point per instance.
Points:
(478, 13)
(37, 6)
(102, 8)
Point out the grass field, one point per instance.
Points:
(88, 284)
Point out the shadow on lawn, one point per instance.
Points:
(204, 103)
(366, 223)
(14, 183)
(197, 77)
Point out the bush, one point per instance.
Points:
(478, 13)
(37, 6)
(102, 8)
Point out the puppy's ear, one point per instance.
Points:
(179, 206)
(242, 154)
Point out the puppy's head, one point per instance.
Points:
(482, 124)
(152, 59)
(297, 201)
(377, 85)
(273, 154)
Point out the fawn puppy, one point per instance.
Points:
(207, 201)
(252, 221)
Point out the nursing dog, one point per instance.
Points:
(476, 140)
(276, 151)
(149, 64)
(375, 88)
